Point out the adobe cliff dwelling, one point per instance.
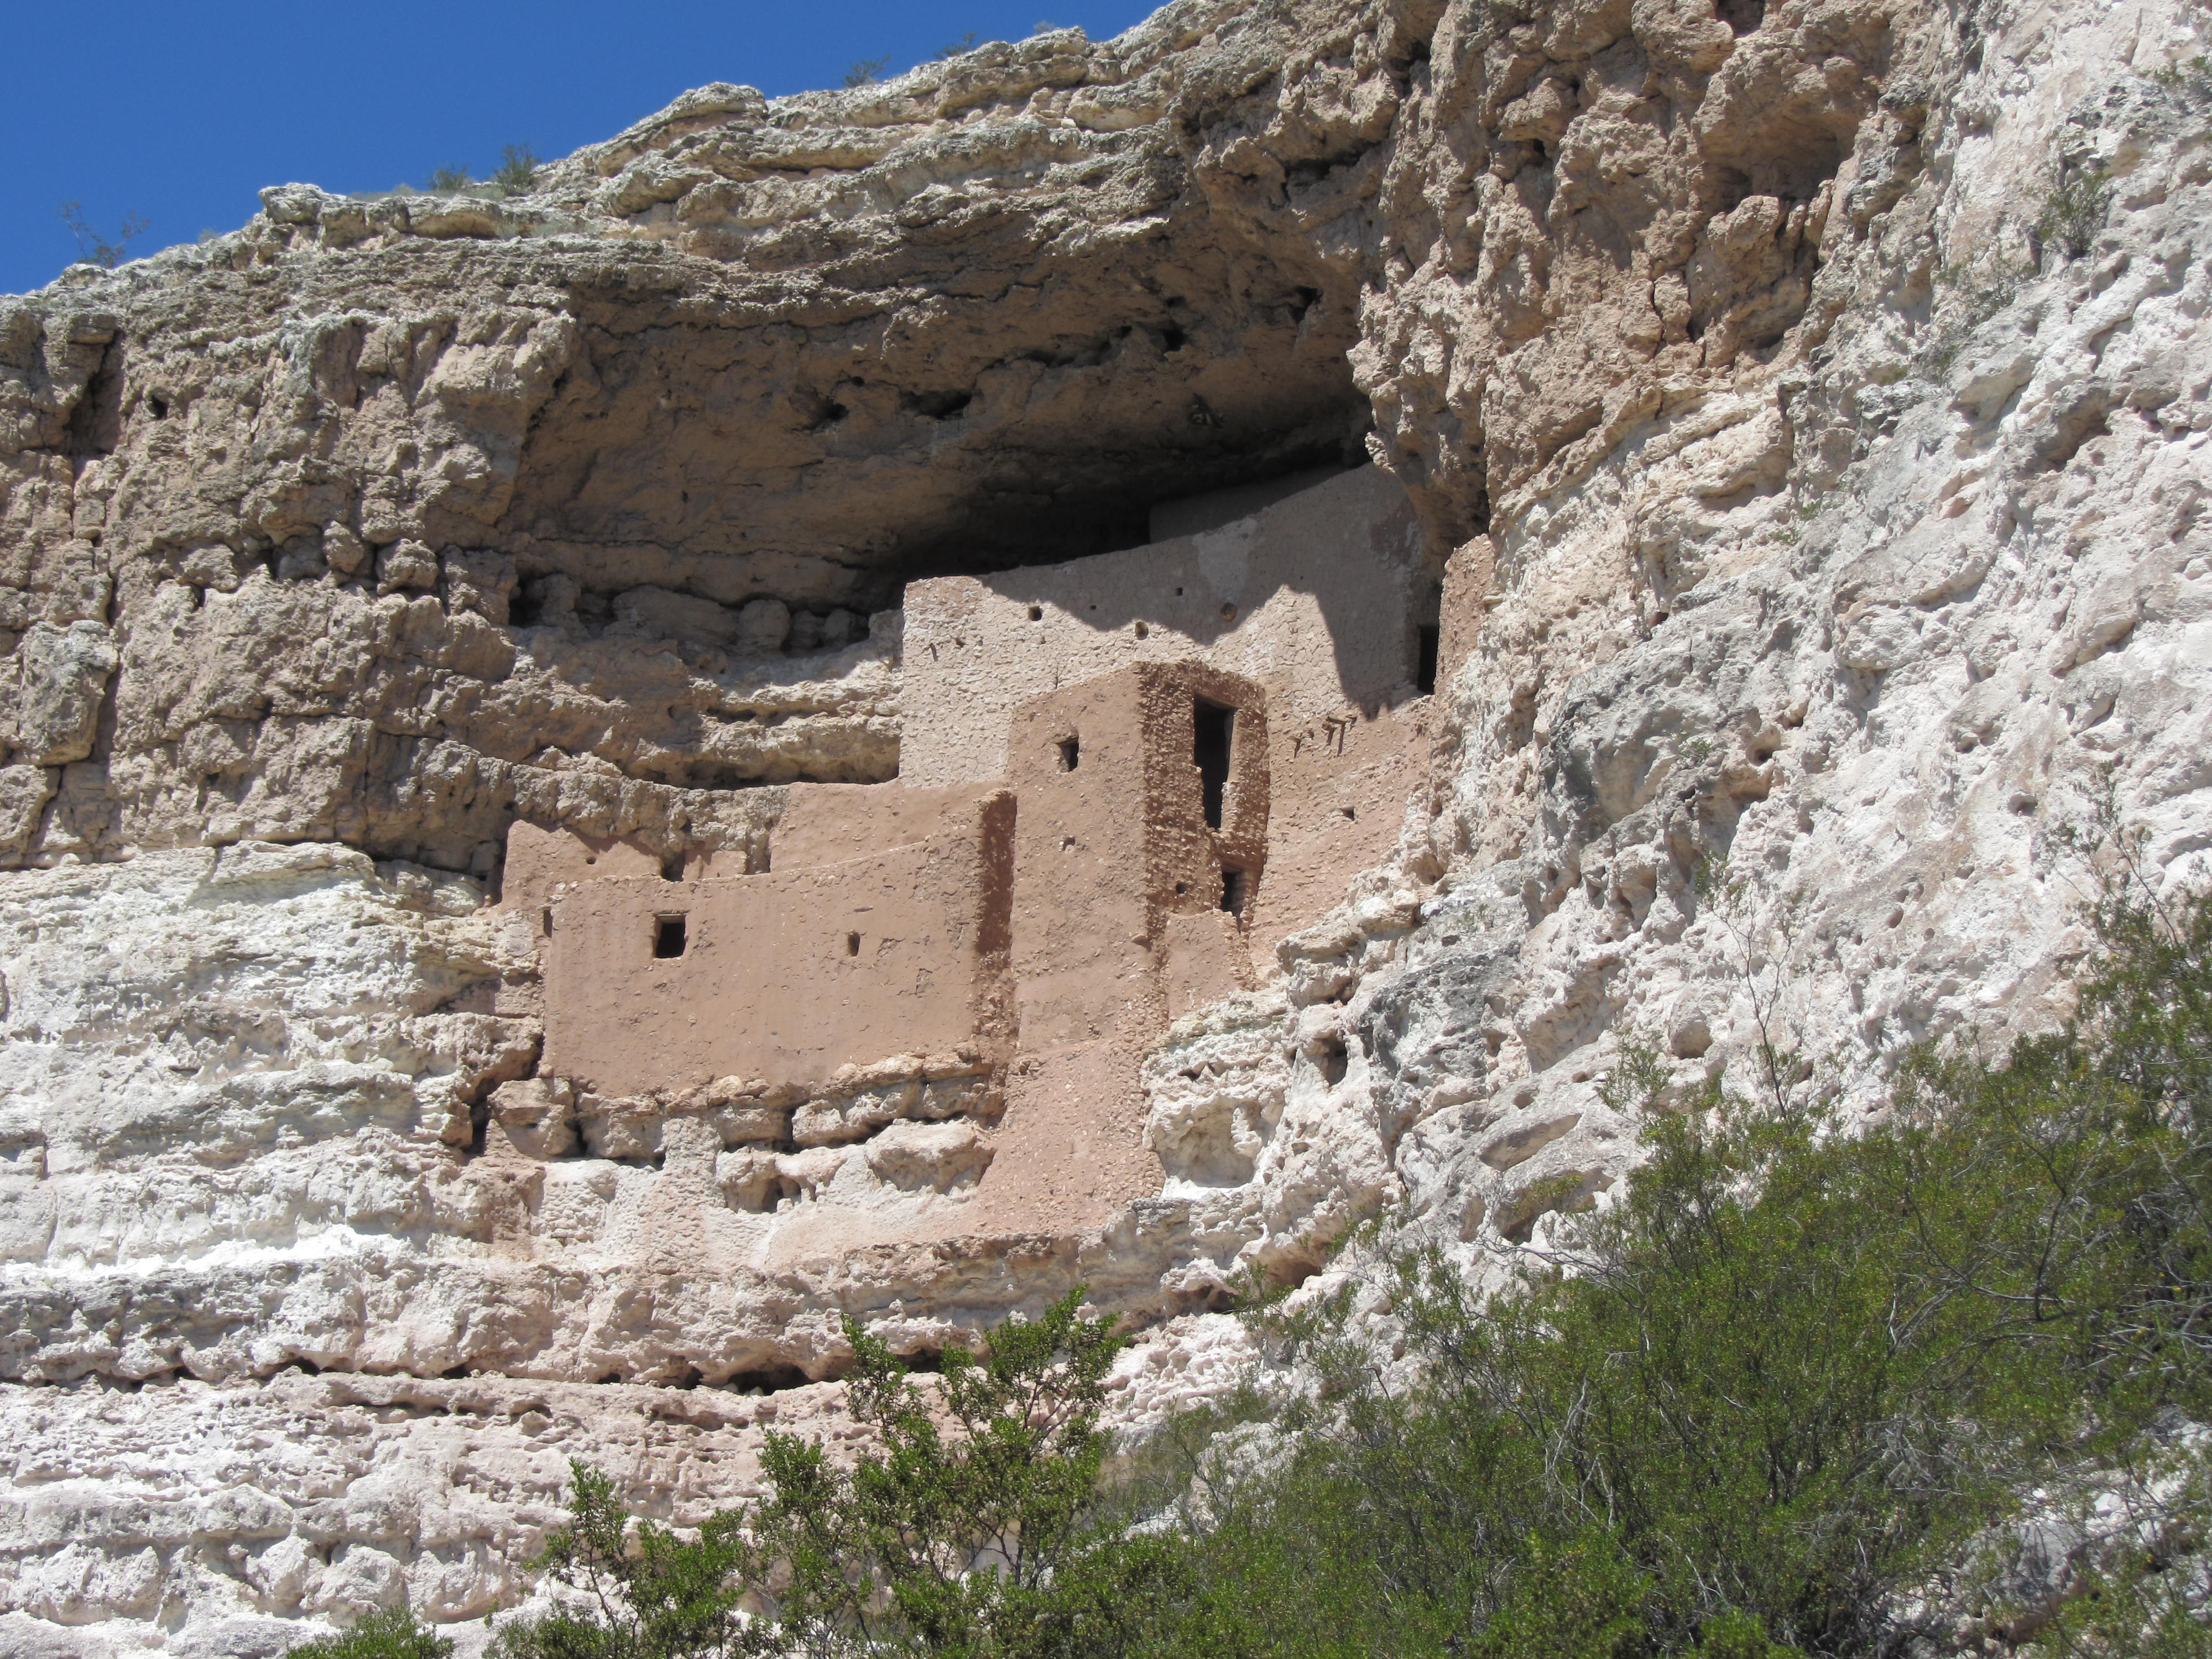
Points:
(1121, 779)
(1086, 666)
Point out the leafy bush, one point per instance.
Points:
(390, 1634)
(518, 166)
(516, 172)
(2074, 212)
(969, 1530)
(1971, 296)
(1795, 1378)
(2138, 1612)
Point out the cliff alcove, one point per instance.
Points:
(1033, 414)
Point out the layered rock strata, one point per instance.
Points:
(1810, 399)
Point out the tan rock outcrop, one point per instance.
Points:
(1803, 407)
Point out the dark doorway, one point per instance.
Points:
(1424, 663)
(668, 936)
(1236, 891)
(1215, 737)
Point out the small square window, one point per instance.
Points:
(668, 936)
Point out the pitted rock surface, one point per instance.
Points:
(1818, 391)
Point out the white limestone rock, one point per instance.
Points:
(1847, 567)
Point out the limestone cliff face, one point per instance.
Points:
(1811, 397)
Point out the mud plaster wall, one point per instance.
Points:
(831, 823)
(894, 922)
(540, 860)
(1469, 591)
(1111, 846)
(1101, 851)
(1320, 623)
(1315, 598)
(1339, 787)
(786, 976)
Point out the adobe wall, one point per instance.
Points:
(539, 860)
(1469, 591)
(830, 823)
(818, 823)
(1316, 597)
(1338, 789)
(1047, 924)
(1191, 514)
(1117, 924)
(1107, 850)
(785, 975)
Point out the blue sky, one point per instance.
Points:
(181, 112)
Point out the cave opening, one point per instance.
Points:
(767, 1379)
(721, 457)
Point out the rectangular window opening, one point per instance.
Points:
(668, 936)
(1071, 752)
(1236, 891)
(1213, 740)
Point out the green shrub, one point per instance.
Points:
(1973, 295)
(970, 1529)
(2074, 212)
(518, 166)
(2192, 80)
(1795, 1374)
(1580, 1600)
(2138, 1612)
(391, 1633)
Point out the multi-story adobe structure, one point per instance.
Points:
(921, 1009)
